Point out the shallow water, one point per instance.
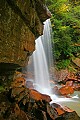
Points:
(73, 103)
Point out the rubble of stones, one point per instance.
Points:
(20, 102)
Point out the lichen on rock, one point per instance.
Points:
(21, 23)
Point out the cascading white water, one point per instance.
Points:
(40, 63)
(42, 58)
(46, 40)
(41, 68)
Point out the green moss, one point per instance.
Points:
(2, 89)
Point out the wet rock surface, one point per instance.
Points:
(20, 103)
(69, 82)
(64, 113)
(21, 22)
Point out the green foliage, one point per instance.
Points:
(63, 64)
(66, 28)
(1, 89)
(76, 51)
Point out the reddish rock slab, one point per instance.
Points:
(70, 77)
(65, 90)
(58, 108)
(69, 83)
(64, 113)
(18, 82)
(38, 96)
(75, 86)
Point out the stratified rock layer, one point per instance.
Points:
(21, 22)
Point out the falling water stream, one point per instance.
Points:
(41, 62)
(41, 68)
(42, 58)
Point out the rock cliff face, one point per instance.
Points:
(21, 22)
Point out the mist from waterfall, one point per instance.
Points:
(42, 60)
(39, 67)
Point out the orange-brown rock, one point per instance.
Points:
(38, 96)
(19, 91)
(19, 82)
(58, 109)
(67, 109)
(70, 77)
(65, 113)
(64, 75)
(65, 90)
(69, 83)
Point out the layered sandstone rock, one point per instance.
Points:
(21, 22)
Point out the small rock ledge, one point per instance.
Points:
(21, 103)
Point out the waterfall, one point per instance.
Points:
(42, 60)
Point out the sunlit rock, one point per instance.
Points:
(65, 113)
(69, 83)
(38, 96)
(65, 90)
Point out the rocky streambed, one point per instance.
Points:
(19, 102)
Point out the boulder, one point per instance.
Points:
(34, 94)
(65, 113)
(21, 103)
(69, 83)
(65, 90)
